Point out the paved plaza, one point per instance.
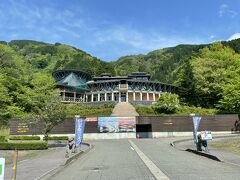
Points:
(124, 159)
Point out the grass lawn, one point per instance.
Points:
(232, 145)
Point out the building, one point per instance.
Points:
(78, 86)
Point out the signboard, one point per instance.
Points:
(107, 124)
(22, 127)
(126, 124)
(2, 167)
(91, 119)
(206, 135)
(79, 130)
(116, 124)
(196, 123)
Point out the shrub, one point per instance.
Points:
(145, 110)
(186, 110)
(23, 145)
(181, 110)
(58, 138)
(2, 139)
(24, 138)
(88, 110)
(167, 104)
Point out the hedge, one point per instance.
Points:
(23, 145)
(24, 138)
(181, 111)
(2, 139)
(58, 138)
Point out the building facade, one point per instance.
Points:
(78, 86)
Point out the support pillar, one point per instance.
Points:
(98, 97)
(91, 97)
(64, 94)
(74, 96)
(140, 96)
(134, 96)
(126, 96)
(105, 97)
(119, 97)
(147, 96)
(112, 96)
(154, 97)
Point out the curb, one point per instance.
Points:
(55, 170)
(77, 155)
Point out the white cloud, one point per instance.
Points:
(211, 37)
(147, 40)
(234, 36)
(224, 10)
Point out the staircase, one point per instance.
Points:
(124, 109)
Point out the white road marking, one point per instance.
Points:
(159, 175)
(132, 148)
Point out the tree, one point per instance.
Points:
(230, 100)
(52, 113)
(209, 69)
(14, 89)
(48, 106)
(167, 103)
(187, 85)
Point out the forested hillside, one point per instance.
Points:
(163, 64)
(51, 57)
(207, 75)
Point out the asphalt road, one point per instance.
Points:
(118, 160)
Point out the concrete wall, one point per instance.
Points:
(160, 127)
(185, 124)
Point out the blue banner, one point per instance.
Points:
(79, 130)
(196, 123)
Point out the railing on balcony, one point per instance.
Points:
(123, 86)
(72, 99)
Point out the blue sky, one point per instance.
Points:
(109, 29)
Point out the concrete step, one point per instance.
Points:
(124, 109)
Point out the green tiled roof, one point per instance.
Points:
(74, 82)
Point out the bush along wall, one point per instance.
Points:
(57, 138)
(2, 139)
(24, 138)
(23, 145)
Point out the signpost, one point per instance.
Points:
(206, 135)
(79, 130)
(2, 167)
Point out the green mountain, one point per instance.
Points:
(164, 65)
(51, 57)
(204, 73)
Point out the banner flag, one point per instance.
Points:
(79, 130)
(196, 123)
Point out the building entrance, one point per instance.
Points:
(144, 130)
(123, 97)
